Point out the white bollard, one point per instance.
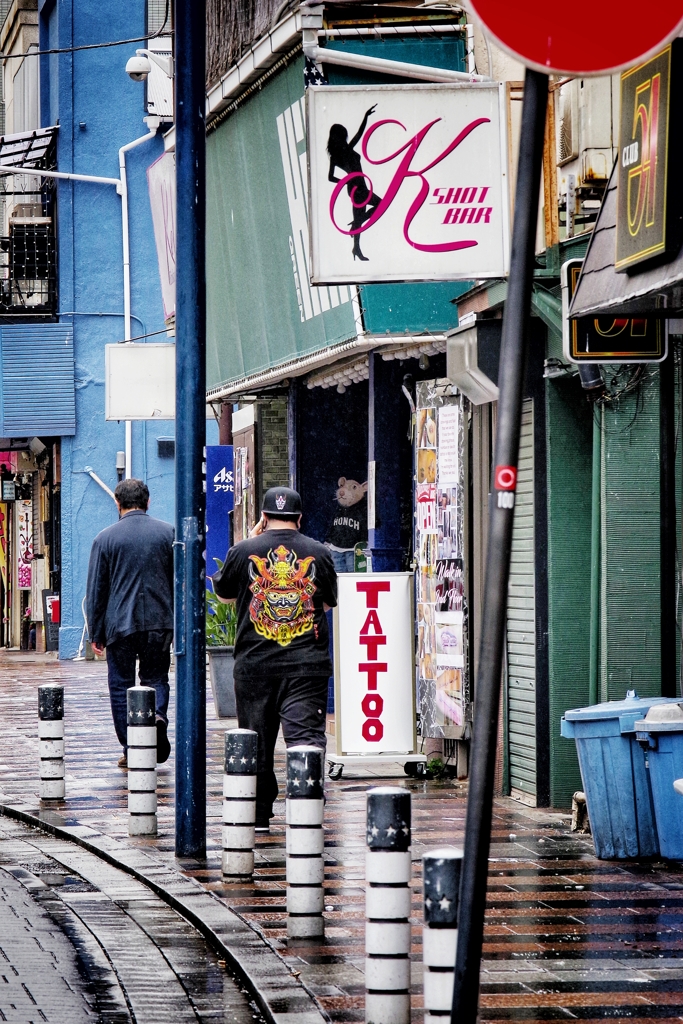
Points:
(142, 761)
(387, 906)
(239, 802)
(441, 886)
(51, 741)
(305, 843)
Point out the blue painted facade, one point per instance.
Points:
(99, 109)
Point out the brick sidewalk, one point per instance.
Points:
(567, 936)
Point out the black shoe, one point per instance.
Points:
(163, 746)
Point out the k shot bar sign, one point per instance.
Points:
(408, 182)
(374, 664)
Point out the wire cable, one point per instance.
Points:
(94, 46)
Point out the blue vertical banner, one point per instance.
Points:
(220, 501)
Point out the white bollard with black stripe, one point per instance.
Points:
(441, 871)
(305, 842)
(51, 741)
(387, 906)
(142, 761)
(239, 802)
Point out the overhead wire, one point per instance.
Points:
(94, 46)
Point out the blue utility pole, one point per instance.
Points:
(190, 29)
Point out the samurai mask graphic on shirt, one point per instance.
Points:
(283, 588)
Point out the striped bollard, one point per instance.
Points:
(51, 741)
(387, 906)
(142, 761)
(441, 884)
(305, 843)
(239, 802)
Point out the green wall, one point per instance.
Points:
(630, 523)
(569, 457)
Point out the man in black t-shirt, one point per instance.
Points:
(283, 583)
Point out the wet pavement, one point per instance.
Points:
(566, 935)
(80, 940)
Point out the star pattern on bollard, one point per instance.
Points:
(391, 831)
(295, 782)
(374, 831)
(243, 760)
(310, 781)
(139, 714)
(231, 760)
(444, 903)
(149, 714)
(428, 903)
(405, 830)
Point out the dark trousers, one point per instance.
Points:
(153, 648)
(299, 703)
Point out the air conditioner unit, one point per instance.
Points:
(462, 361)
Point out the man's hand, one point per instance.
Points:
(259, 528)
(97, 648)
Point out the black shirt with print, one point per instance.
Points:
(281, 580)
(349, 526)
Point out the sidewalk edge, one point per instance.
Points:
(278, 973)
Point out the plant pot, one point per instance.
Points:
(221, 664)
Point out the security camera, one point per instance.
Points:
(138, 67)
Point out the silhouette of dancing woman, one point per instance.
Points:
(343, 155)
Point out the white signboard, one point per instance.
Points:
(140, 382)
(161, 184)
(408, 182)
(374, 664)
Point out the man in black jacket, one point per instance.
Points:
(130, 606)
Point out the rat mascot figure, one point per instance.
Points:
(349, 525)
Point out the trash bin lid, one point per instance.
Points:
(632, 704)
(663, 718)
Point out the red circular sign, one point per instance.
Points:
(607, 36)
(505, 478)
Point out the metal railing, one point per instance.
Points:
(28, 269)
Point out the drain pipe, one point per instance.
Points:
(153, 124)
(328, 55)
(122, 189)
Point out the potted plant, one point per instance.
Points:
(221, 623)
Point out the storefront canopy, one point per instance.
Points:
(602, 291)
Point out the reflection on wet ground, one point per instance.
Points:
(567, 935)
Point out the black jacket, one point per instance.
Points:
(130, 578)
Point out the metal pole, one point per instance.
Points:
(487, 692)
(594, 657)
(190, 431)
(667, 467)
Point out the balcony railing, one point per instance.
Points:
(28, 270)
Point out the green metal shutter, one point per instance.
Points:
(630, 605)
(521, 625)
(569, 432)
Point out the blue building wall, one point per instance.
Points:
(99, 109)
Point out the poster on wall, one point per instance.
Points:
(442, 665)
(24, 512)
(408, 182)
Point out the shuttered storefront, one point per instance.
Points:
(37, 393)
(521, 626)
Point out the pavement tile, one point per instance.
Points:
(566, 935)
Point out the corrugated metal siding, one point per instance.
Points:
(630, 612)
(521, 623)
(37, 380)
(569, 433)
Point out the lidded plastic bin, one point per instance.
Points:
(660, 732)
(614, 775)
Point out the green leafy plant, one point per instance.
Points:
(221, 620)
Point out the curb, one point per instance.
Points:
(279, 994)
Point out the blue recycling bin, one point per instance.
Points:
(660, 732)
(614, 775)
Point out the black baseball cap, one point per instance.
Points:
(282, 501)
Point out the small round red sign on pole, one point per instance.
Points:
(606, 37)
